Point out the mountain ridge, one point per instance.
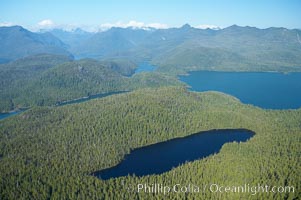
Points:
(274, 46)
(17, 42)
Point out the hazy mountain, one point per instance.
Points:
(163, 40)
(111, 42)
(254, 49)
(245, 48)
(71, 38)
(17, 42)
(134, 42)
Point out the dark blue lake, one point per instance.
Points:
(145, 67)
(162, 157)
(263, 89)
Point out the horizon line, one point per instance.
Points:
(103, 29)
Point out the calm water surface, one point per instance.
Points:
(145, 67)
(263, 89)
(79, 100)
(162, 157)
(142, 67)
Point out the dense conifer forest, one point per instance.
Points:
(51, 79)
(51, 152)
(54, 148)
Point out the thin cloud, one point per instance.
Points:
(158, 25)
(205, 26)
(6, 24)
(46, 23)
(133, 24)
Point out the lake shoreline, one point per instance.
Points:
(177, 139)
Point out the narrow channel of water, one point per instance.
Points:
(79, 100)
(83, 99)
(143, 67)
(9, 114)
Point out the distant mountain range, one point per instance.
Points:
(71, 38)
(17, 42)
(188, 48)
(40, 68)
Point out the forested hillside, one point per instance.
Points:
(233, 48)
(16, 75)
(50, 153)
(49, 79)
(243, 48)
(122, 65)
(150, 100)
(111, 43)
(34, 81)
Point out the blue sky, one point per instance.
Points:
(36, 14)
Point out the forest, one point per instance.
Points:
(51, 152)
(46, 80)
(52, 149)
